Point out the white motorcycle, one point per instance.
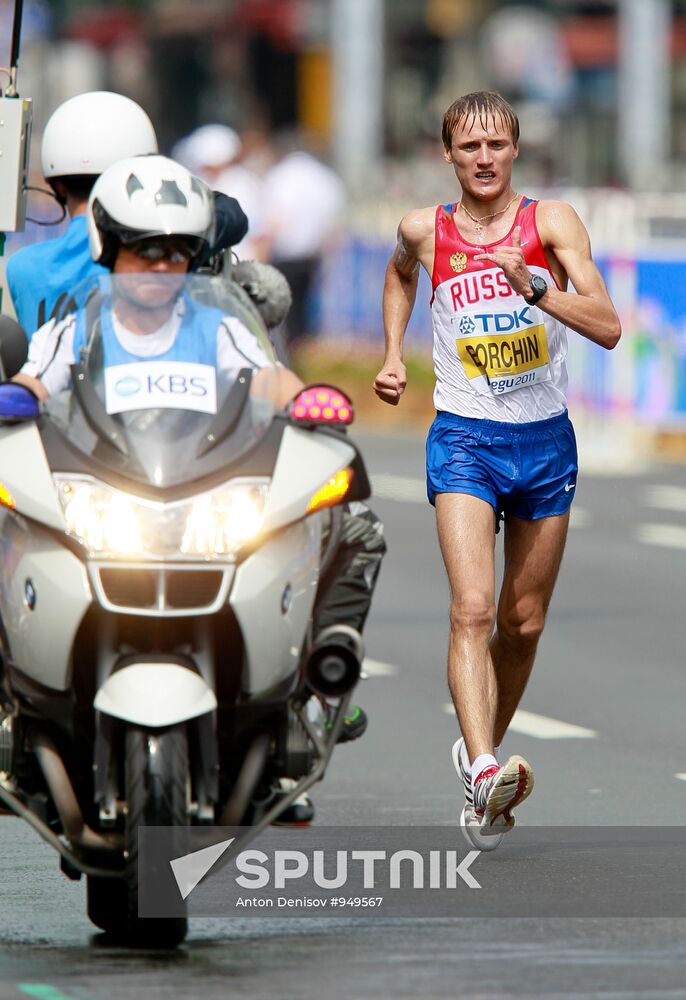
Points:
(162, 539)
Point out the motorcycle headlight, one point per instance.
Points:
(114, 524)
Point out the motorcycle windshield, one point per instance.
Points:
(166, 377)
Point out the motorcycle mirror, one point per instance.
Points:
(14, 346)
(17, 403)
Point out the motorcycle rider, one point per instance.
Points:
(148, 219)
(138, 226)
(84, 136)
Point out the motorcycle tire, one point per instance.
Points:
(156, 788)
(157, 780)
(106, 903)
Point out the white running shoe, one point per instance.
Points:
(470, 821)
(497, 790)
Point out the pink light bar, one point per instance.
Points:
(322, 404)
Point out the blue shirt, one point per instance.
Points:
(41, 277)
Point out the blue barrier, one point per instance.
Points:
(644, 377)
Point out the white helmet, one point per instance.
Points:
(146, 196)
(90, 132)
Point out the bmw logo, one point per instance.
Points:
(127, 386)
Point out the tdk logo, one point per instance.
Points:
(495, 322)
(504, 322)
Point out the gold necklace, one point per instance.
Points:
(479, 223)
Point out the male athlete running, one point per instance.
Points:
(502, 444)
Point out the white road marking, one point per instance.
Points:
(669, 536)
(579, 517)
(603, 465)
(375, 668)
(541, 727)
(665, 497)
(681, 776)
(404, 488)
(407, 489)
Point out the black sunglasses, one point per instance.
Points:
(175, 250)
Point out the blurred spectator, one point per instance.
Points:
(207, 150)
(258, 153)
(303, 203)
(214, 153)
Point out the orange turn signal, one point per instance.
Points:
(6, 498)
(332, 492)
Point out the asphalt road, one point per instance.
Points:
(602, 727)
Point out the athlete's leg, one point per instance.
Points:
(533, 553)
(466, 532)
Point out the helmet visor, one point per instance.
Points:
(175, 249)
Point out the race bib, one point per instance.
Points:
(146, 385)
(502, 351)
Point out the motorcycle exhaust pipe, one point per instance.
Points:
(335, 660)
(62, 791)
(248, 776)
(17, 808)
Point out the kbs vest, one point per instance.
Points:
(495, 356)
(195, 341)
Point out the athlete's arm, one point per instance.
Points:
(414, 246)
(589, 311)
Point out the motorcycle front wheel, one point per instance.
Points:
(156, 790)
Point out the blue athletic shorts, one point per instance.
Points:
(526, 470)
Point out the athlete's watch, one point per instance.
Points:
(539, 286)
